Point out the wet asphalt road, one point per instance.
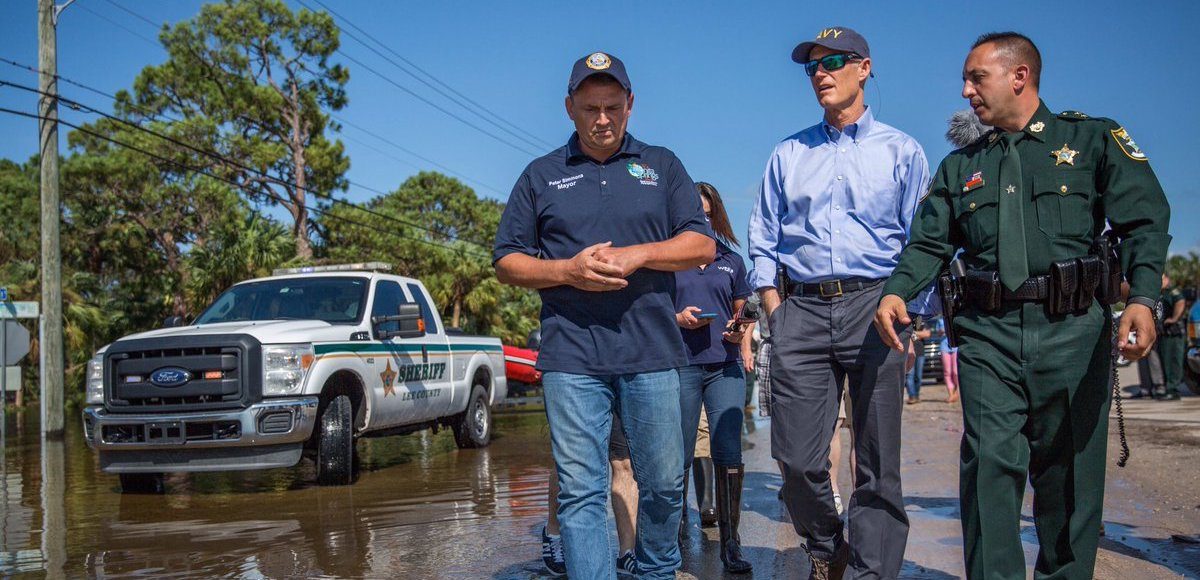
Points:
(423, 509)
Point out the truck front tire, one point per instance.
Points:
(335, 443)
(473, 428)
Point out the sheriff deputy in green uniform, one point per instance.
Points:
(1172, 341)
(1026, 203)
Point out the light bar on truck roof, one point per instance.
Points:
(360, 267)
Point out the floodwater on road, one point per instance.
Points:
(421, 508)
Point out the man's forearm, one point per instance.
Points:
(770, 299)
(686, 250)
(530, 272)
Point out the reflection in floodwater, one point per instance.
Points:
(420, 507)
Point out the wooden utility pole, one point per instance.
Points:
(51, 345)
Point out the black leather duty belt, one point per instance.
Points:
(1036, 288)
(832, 288)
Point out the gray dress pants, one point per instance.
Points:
(818, 343)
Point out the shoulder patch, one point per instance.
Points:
(1128, 146)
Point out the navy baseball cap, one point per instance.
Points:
(594, 64)
(837, 38)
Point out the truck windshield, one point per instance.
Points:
(331, 299)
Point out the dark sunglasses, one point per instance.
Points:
(830, 63)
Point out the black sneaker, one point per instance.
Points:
(627, 565)
(552, 554)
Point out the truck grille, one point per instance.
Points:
(183, 373)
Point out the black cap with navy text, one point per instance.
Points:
(595, 64)
(837, 39)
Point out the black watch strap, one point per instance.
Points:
(1155, 306)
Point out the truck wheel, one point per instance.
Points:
(142, 483)
(473, 428)
(335, 443)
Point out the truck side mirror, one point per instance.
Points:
(411, 323)
(174, 321)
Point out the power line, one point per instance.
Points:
(360, 128)
(159, 116)
(417, 96)
(268, 193)
(201, 171)
(340, 120)
(421, 98)
(218, 157)
(490, 117)
(135, 14)
(118, 25)
(76, 105)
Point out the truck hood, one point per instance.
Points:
(266, 331)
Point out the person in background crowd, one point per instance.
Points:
(834, 210)
(609, 341)
(949, 363)
(708, 301)
(1172, 341)
(1194, 322)
(916, 372)
(835, 452)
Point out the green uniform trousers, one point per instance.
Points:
(1171, 350)
(1035, 396)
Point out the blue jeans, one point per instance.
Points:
(722, 389)
(580, 408)
(912, 381)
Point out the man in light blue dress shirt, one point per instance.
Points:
(834, 211)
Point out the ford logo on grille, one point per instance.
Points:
(170, 377)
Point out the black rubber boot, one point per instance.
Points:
(729, 515)
(702, 477)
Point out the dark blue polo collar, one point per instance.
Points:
(629, 146)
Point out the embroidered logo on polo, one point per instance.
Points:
(565, 182)
(644, 174)
(726, 269)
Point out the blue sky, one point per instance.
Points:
(712, 81)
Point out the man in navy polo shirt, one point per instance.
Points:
(597, 227)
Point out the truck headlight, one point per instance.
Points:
(284, 368)
(95, 380)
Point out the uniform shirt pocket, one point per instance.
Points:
(976, 214)
(1064, 202)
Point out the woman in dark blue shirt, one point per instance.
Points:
(707, 298)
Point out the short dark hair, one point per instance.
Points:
(1018, 49)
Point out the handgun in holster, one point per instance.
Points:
(950, 290)
(783, 282)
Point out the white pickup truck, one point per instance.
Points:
(302, 362)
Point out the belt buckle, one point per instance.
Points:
(836, 291)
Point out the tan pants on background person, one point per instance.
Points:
(702, 444)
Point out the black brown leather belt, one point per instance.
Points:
(1035, 288)
(832, 288)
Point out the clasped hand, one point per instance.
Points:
(603, 268)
